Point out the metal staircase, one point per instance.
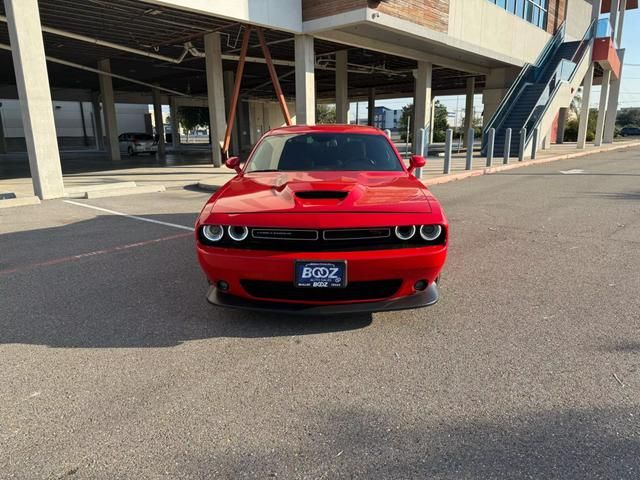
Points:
(527, 102)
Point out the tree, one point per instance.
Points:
(193, 117)
(628, 117)
(476, 124)
(440, 122)
(325, 114)
(406, 117)
(572, 126)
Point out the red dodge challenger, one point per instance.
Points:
(323, 220)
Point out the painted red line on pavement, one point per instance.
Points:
(105, 251)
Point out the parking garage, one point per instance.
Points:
(105, 57)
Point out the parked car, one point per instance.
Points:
(629, 131)
(323, 220)
(134, 143)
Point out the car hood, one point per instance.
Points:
(300, 192)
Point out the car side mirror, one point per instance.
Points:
(233, 163)
(417, 161)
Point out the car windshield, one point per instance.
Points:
(142, 136)
(324, 151)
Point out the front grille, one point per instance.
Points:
(283, 234)
(369, 290)
(356, 234)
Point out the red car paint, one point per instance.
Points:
(365, 200)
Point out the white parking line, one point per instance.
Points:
(135, 217)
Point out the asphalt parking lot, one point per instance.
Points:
(115, 366)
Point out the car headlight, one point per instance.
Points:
(238, 233)
(213, 233)
(430, 232)
(405, 232)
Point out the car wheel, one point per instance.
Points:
(131, 152)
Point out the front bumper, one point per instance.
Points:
(420, 299)
(404, 266)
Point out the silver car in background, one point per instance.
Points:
(134, 143)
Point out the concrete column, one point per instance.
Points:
(422, 101)
(433, 120)
(613, 17)
(175, 123)
(584, 110)
(602, 108)
(618, 33)
(468, 109)
(562, 124)
(109, 108)
(229, 81)
(371, 107)
(342, 87)
(32, 80)
(97, 120)
(305, 80)
(3, 140)
(612, 107)
(159, 121)
(215, 95)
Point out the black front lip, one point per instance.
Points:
(420, 299)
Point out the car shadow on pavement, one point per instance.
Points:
(115, 282)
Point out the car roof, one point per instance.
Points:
(326, 128)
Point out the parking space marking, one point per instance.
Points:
(134, 217)
(95, 253)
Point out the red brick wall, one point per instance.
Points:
(556, 15)
(325, 8)
(433, 14)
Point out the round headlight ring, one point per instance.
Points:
(430, 232)
(406, 232)
(238, 233)
(213, 233)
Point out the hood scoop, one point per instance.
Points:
(322, 195)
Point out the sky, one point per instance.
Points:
(629, 87)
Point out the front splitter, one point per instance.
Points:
(418, 300)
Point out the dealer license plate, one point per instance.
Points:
(321, 274)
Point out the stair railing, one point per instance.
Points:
(564, 73)
(521, 81)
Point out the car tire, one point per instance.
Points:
(131, 152)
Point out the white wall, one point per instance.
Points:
(578, 18)
(130, 117)
(281, 14)
(493, 28)
(68, 120)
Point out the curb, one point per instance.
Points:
(501, 168)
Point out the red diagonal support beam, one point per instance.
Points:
(274, 77)
(236, 91)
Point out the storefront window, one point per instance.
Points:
(533, 11)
